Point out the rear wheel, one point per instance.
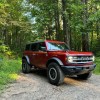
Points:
(55, 74)
(85, 76)
(26, 68)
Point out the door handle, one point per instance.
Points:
(34, 54)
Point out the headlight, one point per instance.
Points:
(70, 59)
(93, 58)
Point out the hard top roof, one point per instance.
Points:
(55, 41)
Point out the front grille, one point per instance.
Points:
(82, 59)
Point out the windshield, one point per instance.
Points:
(57, 46)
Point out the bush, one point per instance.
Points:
(9, 70)
(96, 47)
(5, 51)
(97, 69)
(4, 48)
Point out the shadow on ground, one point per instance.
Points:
(68, 80)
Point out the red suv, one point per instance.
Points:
(59, 61)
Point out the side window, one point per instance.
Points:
(38, 46)
(34, 47)
(27, 47)
(42, 46)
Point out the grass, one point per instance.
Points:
(9, 69)
(97, 69)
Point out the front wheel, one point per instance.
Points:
(85, 76)
(55, 74)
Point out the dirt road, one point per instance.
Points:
(35, 86)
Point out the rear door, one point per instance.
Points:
(33, 54)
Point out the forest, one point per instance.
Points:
(76, 22)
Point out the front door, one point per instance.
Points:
(41, 55)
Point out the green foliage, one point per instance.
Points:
(8, 70)
(4, 48)
(97, 69)
(96, 47)
(23, 21)
(14, 25)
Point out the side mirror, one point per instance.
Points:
(43, 49)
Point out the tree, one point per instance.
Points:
(75, 22)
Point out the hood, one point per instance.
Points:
(72, 53)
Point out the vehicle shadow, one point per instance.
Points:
(42, 73)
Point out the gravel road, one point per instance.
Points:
(35, 86)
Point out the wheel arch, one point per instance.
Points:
(54, 59)
(27, 58)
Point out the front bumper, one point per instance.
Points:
(76, 70)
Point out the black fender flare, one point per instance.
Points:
(56, 60)
(27, 58)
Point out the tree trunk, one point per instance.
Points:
(85, 35)
(57, 20)
(65, 23)
(91, 40)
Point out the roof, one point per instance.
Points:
(46, 41)
(53, 41)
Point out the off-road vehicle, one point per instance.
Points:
(58, 60)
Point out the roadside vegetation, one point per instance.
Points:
(9, 69)
(97, 69)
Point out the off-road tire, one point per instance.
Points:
(26, 68)
(55, 74)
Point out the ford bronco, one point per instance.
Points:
(58, 60)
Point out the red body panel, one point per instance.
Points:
(40, 58)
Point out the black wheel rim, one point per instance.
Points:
(52, 73)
